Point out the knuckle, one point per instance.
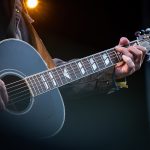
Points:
(139, 54)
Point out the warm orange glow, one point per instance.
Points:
(32, 3)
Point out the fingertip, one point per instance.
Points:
(123, 41)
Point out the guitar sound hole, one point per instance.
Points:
(18, 93)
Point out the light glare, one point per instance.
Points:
(32, 3)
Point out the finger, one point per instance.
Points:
(141, 48)
(3, 92)
(130, 65)
(124, 51)
(138, 55)
(2, 105)
(123, 41)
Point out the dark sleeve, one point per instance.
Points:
(102, 82)
(6, 10)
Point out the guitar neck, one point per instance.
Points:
(53, 78)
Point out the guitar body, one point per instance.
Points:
(32, 117)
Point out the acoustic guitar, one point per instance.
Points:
(35, 109)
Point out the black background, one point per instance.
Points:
(76, 28)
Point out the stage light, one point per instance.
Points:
(32, 3)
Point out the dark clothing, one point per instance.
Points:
(16, 23)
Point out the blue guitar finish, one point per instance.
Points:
(39, 117)
(35, 108)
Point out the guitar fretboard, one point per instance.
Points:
(72, 71)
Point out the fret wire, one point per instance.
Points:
(63, 65)
(30, 81)
(95, 61)
(83, 65)
(99, 61)
(73, 70)
(78, 69)
(81, 76)
(68, 75)
(102, 60)
(46, 78)
(42, 80)
(30, 88)
(35, 85)
(116, 55)
(75, 67)
(116, 59)
(31, 85)
(89, 69)
(49, 80)
(39, 84)
(88, 64)
(97, 53)
(52, 80)
(54, 76)
(63, 73)
(59, 77)
(78, 73)
(109, 57)
(91, 65)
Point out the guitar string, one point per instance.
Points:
(59, 77)
(75, 72)
(21, 99)
(111, 50)
(84, 64)
(133, 42)
(53, 68)
(79, 61)
(23, 95)
(136, 41)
